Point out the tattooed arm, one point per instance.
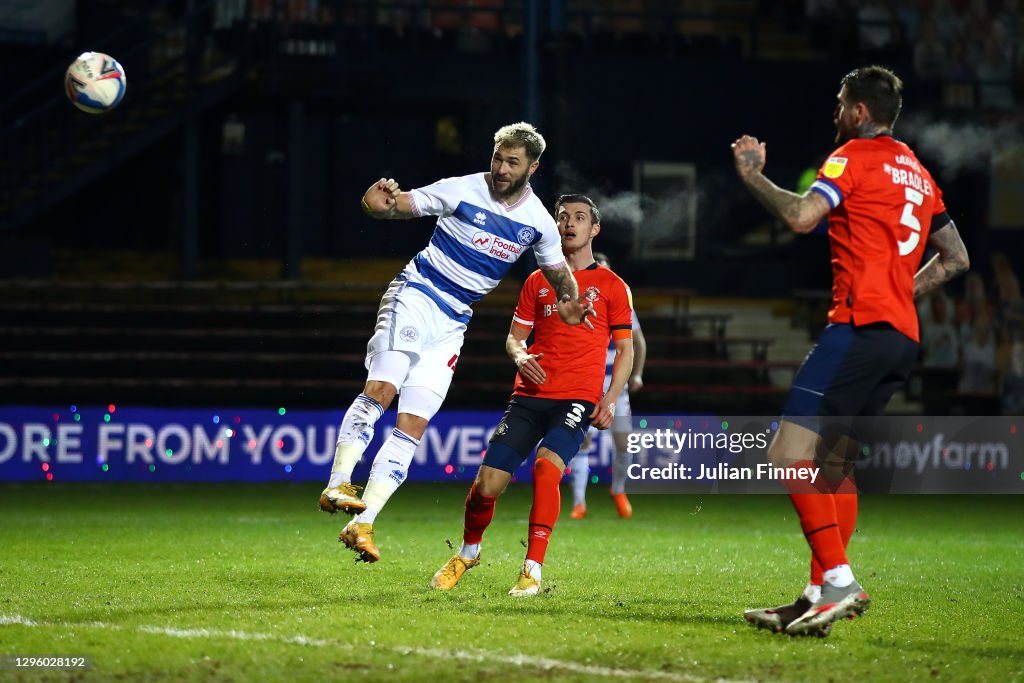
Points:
(800, 212)
(952, 260)
(570, 309)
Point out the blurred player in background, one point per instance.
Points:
(486, 222)
(883, 208)
(621, 426)
(557, 394)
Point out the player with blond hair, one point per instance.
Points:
(486, 222)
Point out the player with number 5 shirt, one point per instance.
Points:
(883, 210)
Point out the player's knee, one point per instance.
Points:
(796, 441)
(548, 469)
(413, 425)
(560, 446)
(552, 457)
(380, 391)
(490, 482)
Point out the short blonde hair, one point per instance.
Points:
(521, 134)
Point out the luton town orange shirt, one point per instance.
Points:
(574, 356)
(884, 204)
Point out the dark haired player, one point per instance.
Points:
(558, 393)
(883, 208)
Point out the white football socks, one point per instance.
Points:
(354, 436)
(389, 470)
(532, 567)
(840, 576)
(469, 551)
(620, 464)
(580, 466)
(812, 593)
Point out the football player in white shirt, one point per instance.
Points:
(486, 221)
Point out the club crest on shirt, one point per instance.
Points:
(835, 166)
(409, 333)
(591, 294)
(526, 235)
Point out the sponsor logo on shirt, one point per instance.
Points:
(482, 240)
(544, 291)
(497, 247)
(835, 166)
(480, 218)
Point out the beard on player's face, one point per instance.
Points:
(508, 185)
(845, 120)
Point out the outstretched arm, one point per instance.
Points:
(570, 309)
(385, 200)
(800, 212)
(952, 260)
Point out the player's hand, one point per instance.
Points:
(749, 155)
(575, 312)
(635, 383)
(530, 369)
(382, 196)
(604, 413)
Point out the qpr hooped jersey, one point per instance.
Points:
(883, 205)
(476, 241)
(574, 355)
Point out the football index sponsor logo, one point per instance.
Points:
(526, 235)
(496, 247)
(481, 240)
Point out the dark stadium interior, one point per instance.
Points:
(203, 244)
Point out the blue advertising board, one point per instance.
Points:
(113, 443)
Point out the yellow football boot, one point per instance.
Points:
(359, 537)
(342, 498)
(448, 576)
(525, 586)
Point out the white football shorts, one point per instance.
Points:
(409, 321)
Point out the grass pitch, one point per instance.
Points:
(248, 583)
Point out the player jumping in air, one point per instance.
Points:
(883, 208)
(621, 426)
(557, 394)
(486, 222)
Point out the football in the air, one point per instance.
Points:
(95, 82)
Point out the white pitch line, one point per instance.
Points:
(545, 663)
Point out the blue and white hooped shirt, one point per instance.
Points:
(476, 241)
